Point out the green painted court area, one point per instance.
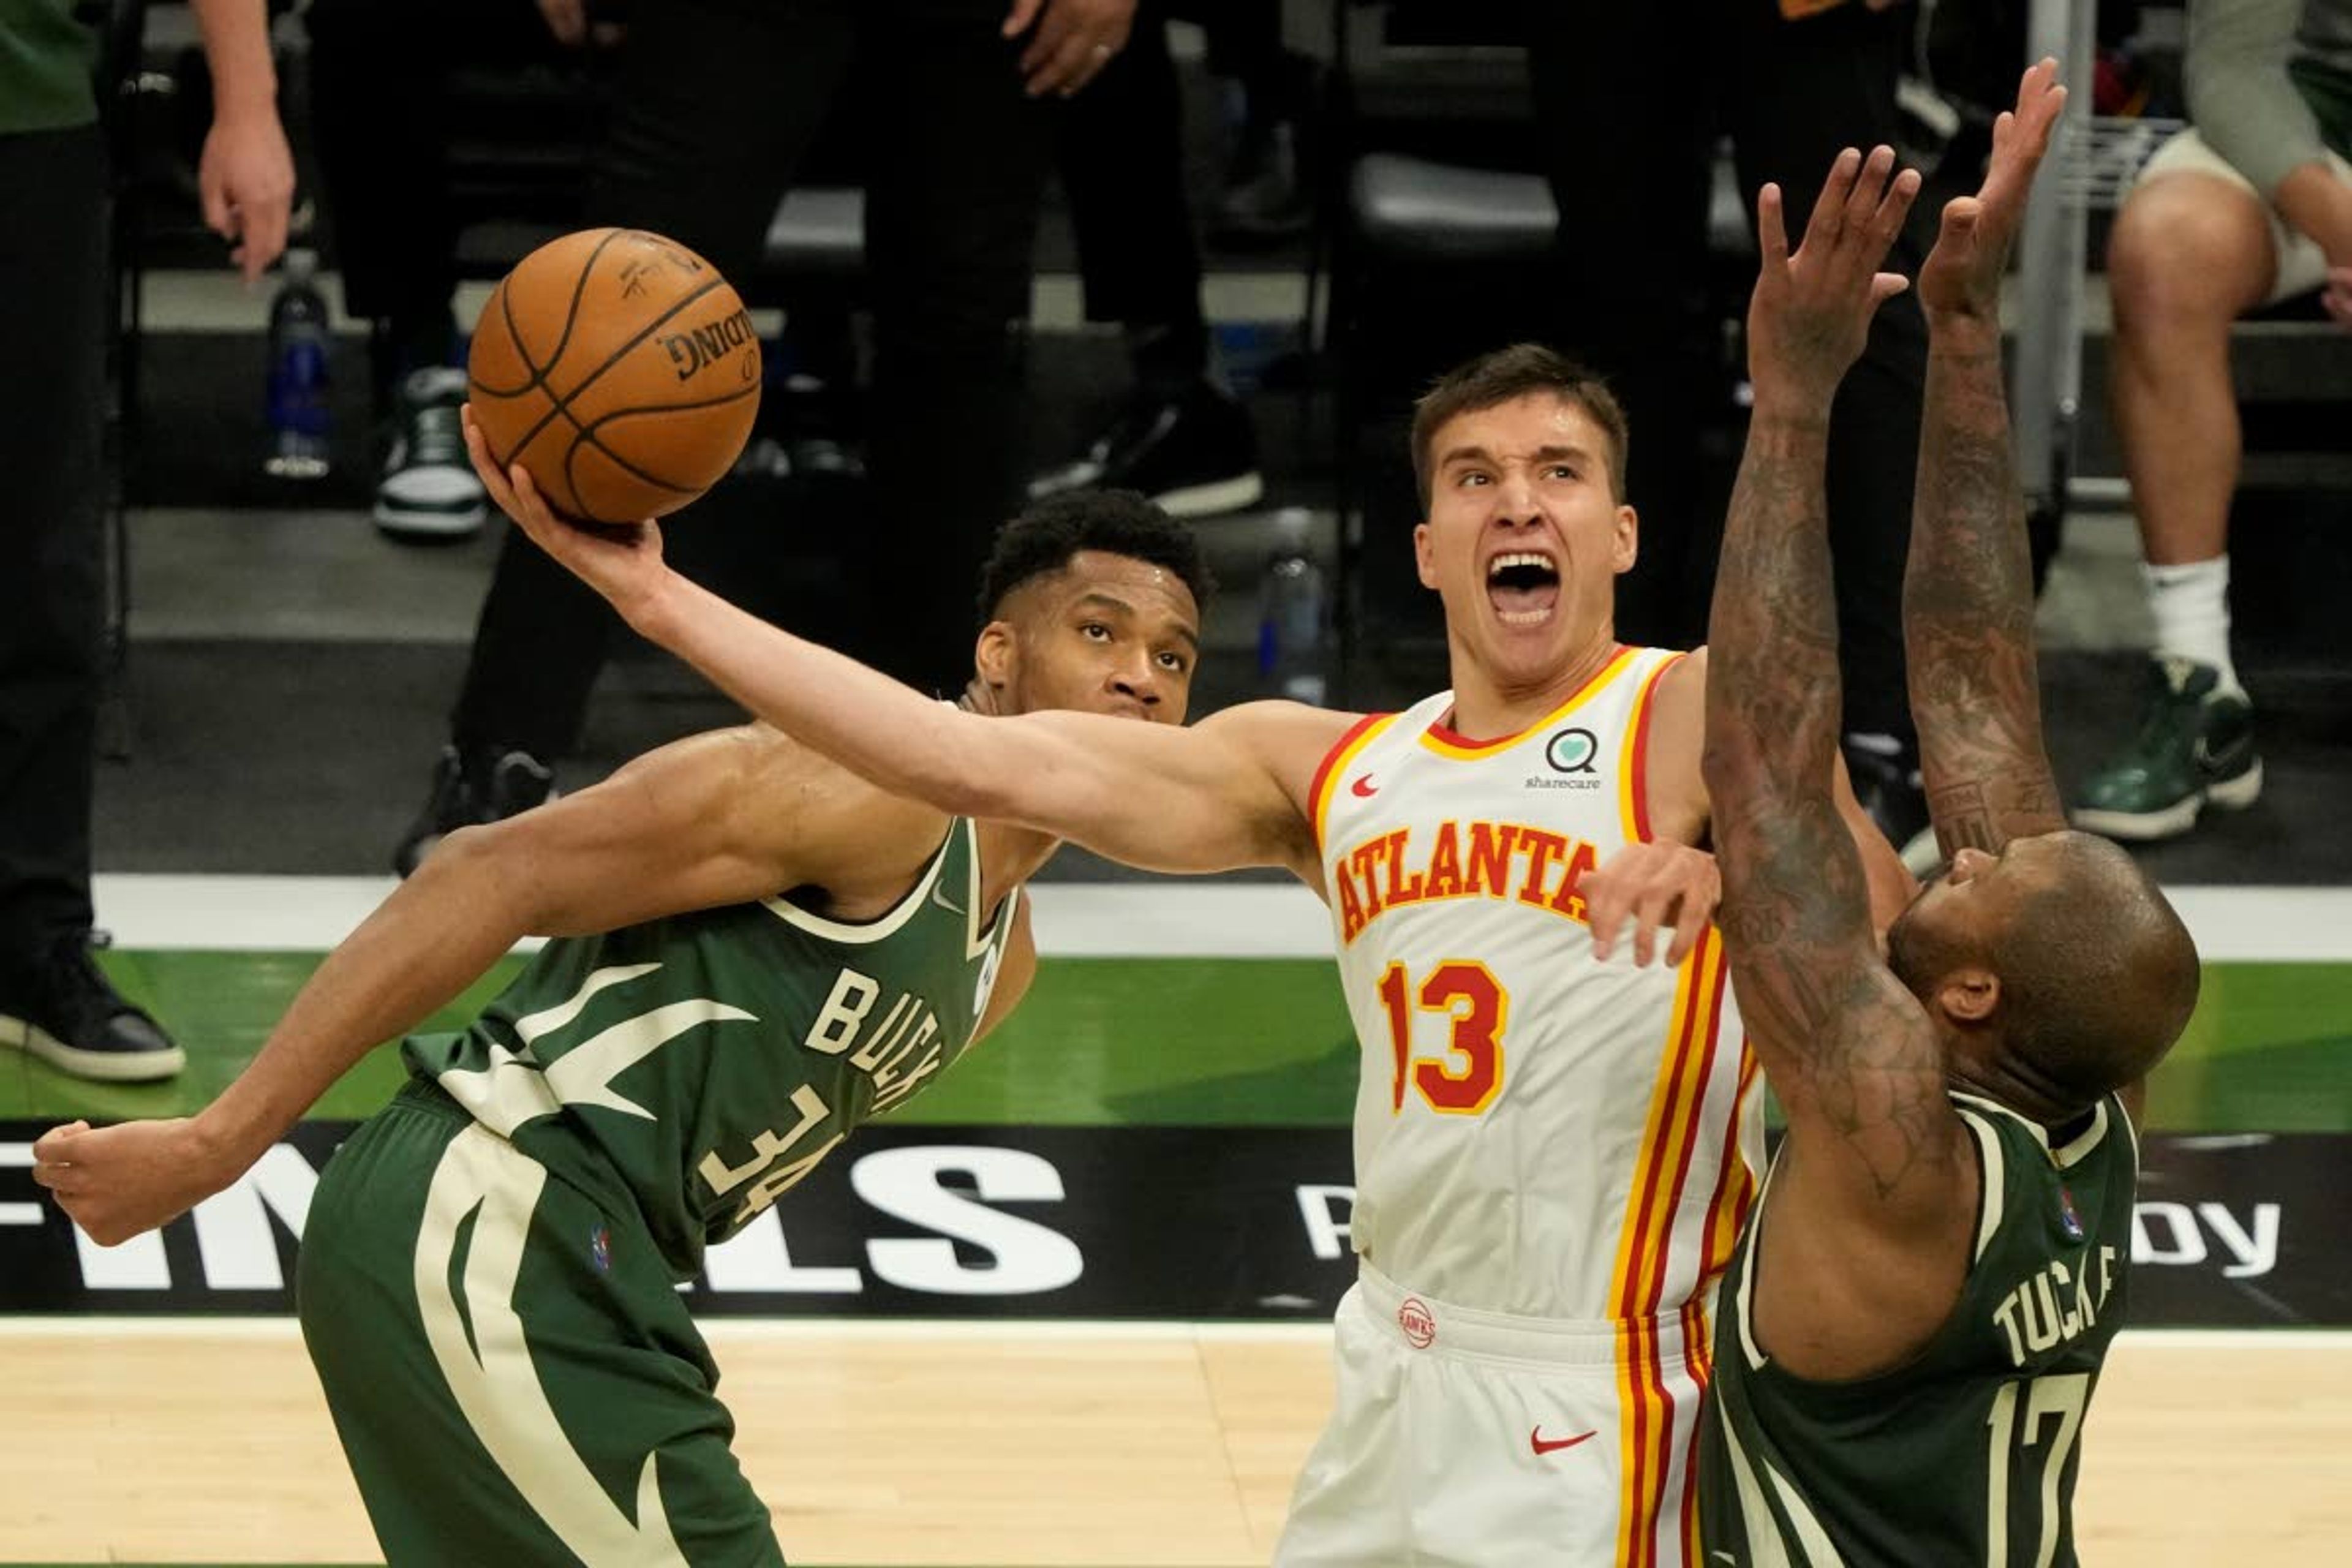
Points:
(1195, 1043)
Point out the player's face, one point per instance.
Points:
(1965, 908)
(1524, 541)
(1109, 634)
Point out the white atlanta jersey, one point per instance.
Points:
(1536, 1134)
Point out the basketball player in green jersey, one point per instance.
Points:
(756, 952)
(1917, 1313)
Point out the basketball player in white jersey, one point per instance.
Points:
(1553, 1154)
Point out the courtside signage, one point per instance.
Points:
(1160, 1223)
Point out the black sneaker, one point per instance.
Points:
(428, 490)
(1195, 456)
(1886, 776)
(62, 1008)
(470, 790)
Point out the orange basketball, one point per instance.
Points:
(620, 369)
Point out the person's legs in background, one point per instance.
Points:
(2191, 252)
(380, 127)
(951, 225)
(1263, 199)
(54, 1001)
(714, 103)
(1809, 88)
(1622, 116)
(1185, 439)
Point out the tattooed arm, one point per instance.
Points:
(1968, 590)
(1862, 1247)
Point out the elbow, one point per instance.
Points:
(482, 872)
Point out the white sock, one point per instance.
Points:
(2192, 613)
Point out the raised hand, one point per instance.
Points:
(624, 564)
(1961, 277)
(1662, 887)
(1811, 312)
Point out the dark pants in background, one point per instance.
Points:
(53, 206)
(715, 105)
(1631, 100)
(1121, 147)
(379, 125)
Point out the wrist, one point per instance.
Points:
(652, 609)
(1962, 332)
(1796, 406)
(229, 1137)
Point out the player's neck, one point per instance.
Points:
(1487, 707)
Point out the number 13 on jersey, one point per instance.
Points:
(1464, 1079)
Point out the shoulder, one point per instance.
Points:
(849, 833)
(1678, 741)
(1289, 740)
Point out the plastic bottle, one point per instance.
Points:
(298, 373)
(1294, 606)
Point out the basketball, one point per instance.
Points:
(620, 369)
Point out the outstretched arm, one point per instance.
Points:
(1968, 590)
(1227, 793)
(1873, 1174)
(713, 820)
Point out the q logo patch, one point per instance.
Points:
(1572, 752)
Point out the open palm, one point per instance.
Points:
(1962, 274)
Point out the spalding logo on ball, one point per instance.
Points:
(620, 369)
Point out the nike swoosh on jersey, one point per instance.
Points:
(1537, 1441)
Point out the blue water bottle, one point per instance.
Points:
(297, 372)
(1292, 615)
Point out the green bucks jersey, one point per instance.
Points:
(1967, 1455)
(705, 1063)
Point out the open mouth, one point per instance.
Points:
(1524, 587)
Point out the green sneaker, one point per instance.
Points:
(2195, 745)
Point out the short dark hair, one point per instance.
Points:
(1494, 378)
(2098, 975)
(1041, 541)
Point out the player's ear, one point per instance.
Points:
(1969, 995)
(1423, 556)
(1626, 547)
(997, 655)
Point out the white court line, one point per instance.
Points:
(1170, 919)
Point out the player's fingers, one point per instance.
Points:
(1893, 210)
(1961, 215)
(1862, 202)
(1827, 206)
(1690, 920)
(493, 477)
(1604, 912)
(1771, 229)
(1884, 286)
(1647, 917)
(528, 502)
(53, 1144)
(1017, 20)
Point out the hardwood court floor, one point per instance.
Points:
(923, 1443)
